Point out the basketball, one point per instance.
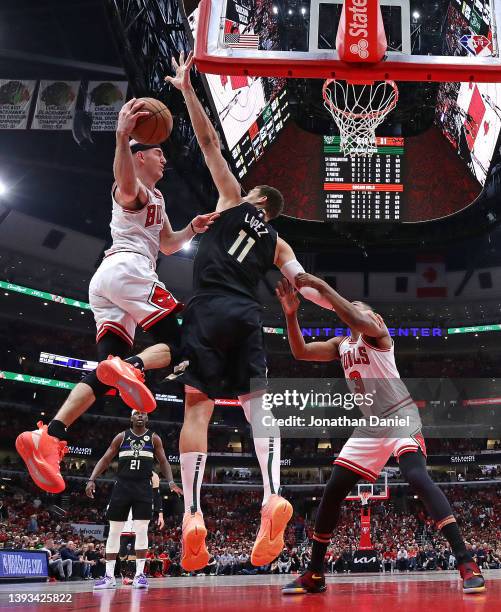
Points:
(155, 128)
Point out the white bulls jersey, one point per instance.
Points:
(138, 231)
(363, 362)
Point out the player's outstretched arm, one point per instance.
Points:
(313, 351)
(171, 241)
(130, 193)
(103, 464)
(158, 449)
(227, 185)
(286, 262)
(365, 322)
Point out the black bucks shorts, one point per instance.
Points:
(135, 495)
(222, 338)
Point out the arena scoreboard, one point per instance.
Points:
(363, 189)
(261, 133)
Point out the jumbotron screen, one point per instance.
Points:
(469, 114)
(251, 110)
(363, 188)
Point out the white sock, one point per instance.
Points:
(110, 568)
(192, 474)
(140, 566)
(268, 455)
(266, 442)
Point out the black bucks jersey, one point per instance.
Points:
(235, 253)
(222, 339)
(136, 457)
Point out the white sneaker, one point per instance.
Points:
(106, 582)
(140, 582)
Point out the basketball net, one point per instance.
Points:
(364, 497)
(358, 109)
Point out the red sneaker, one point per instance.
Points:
(128, 381)
(275, 515)
(42, 454)
(473, 581)
(195, 555)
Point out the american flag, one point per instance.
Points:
(242, 41)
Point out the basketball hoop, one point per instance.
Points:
(358, 109)
(364, 497)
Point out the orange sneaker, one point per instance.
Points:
(129, 382)
(195, 554)
(275, 515)
(42, 454)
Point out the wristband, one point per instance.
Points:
(171, 482)
(192, 228)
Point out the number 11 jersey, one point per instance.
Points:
(235, 253)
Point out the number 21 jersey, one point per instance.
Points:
(136, 456)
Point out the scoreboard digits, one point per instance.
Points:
(366, 189)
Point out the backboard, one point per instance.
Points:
(451, 40)
(378, 491)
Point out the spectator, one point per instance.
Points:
(402, 557)
(33, 524)
(69, 552)
(96, 560)
(284, 562)
(56, 565)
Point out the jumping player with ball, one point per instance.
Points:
(125, 290)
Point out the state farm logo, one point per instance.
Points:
(358, 24)
(361, 49)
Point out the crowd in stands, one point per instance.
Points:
(404, 538)
(96, 432)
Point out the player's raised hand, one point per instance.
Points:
(181, 80)
(287, 295)
(309, 280)
(378, 319)
(128, 116)
(201, 223)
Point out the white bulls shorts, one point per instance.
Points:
(368, 456)
(125, 292)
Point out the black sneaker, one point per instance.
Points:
(473, 581)
(308, 582)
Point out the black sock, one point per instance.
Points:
(337, 488)
(57, 429)
(413, 468)
(318, 550)
(452, 534)
(136, 361)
